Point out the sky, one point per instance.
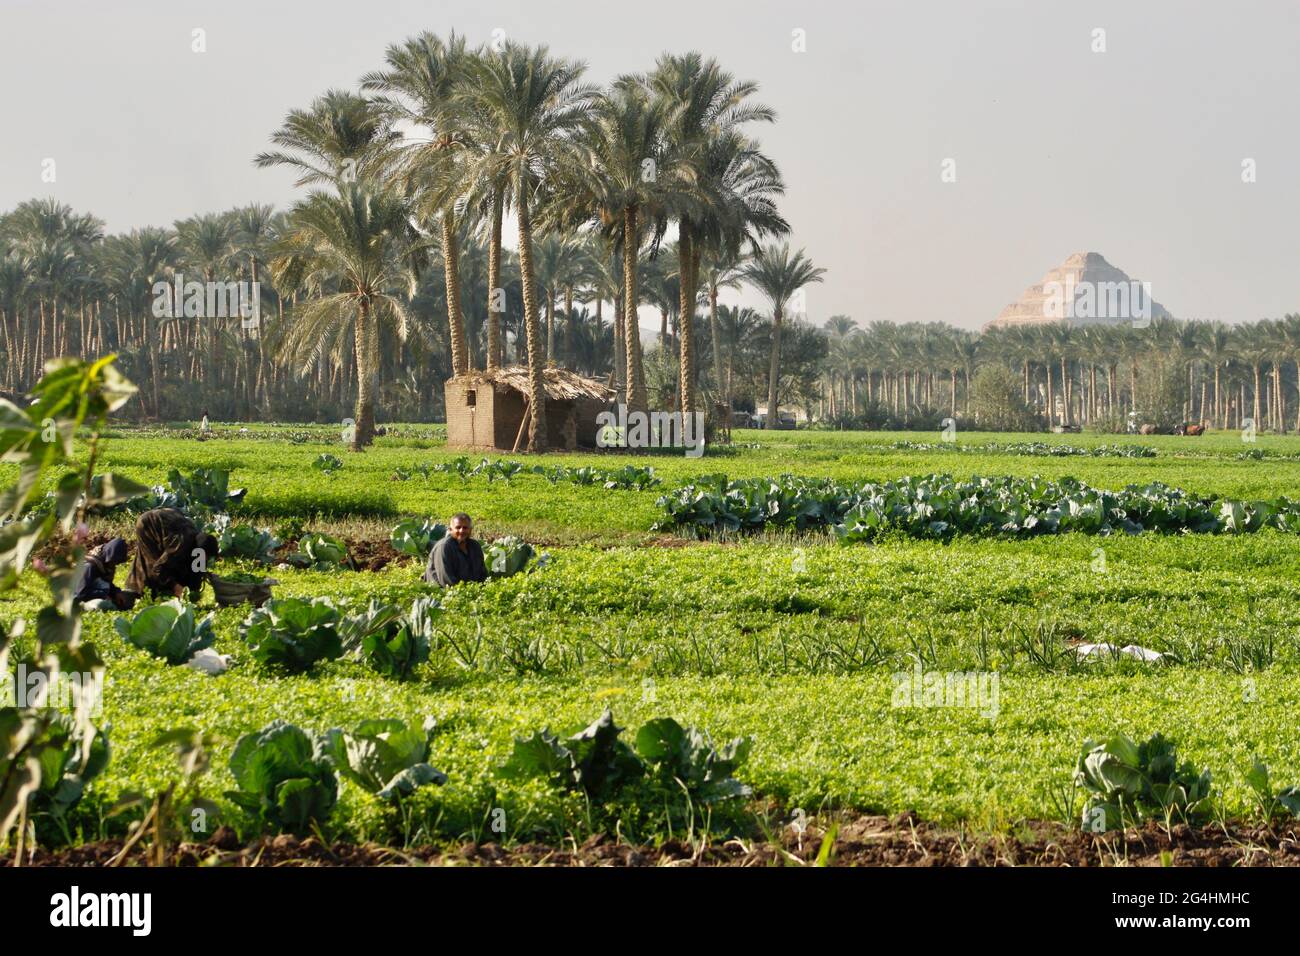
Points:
(939, 157)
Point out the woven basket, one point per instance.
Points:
(230, 593)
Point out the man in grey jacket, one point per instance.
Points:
(457, 557)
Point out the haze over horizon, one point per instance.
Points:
(1135, 152)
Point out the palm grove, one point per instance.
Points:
(392, 272)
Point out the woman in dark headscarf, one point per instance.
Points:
(96, 582)
(171, 554)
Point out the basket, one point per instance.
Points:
(230, 593)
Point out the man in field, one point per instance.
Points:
(457, 557)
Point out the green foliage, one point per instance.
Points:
(48, 756)
(167, 630)
(593, 760)
(1033, 449)
(596, 761)
(318, 551)
(245, 541)
(507, 556)
(634, 477)
(938, 506)
(997, 400)
(416, 536)
(292, 634)
(204, 496)
(1161, 394)
(285, 778)
(688, 757)
(1126, 781)
(386, 757)
(1272, 805)
(327, 463)
(390, 642)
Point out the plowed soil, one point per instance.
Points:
(861, 841)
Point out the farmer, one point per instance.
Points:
(96, 582)
(171, 554)
(457, 557)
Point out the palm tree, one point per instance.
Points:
(341, 136)
(364, 238)
(422, 86)
(778, 275)
(621, 183)
(534, 103)
(721, 267)
(716, 203)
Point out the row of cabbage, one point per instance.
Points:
(939, 506)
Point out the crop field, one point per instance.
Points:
(794, 634)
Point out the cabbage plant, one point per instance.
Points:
(168, 630)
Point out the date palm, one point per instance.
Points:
(720, 265)
(341, 136)
(360, 240)
(778, 275)
(421, 86)
(621, 184)
(707, 106)
(533, 103)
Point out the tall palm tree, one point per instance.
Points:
(622, 184)
(721, 267)
(341, 136)
(422, 86)
(534, 103)
(363, 237)
(707, 108)
(778, 275)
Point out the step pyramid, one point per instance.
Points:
(1083, 290)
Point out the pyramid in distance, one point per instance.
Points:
(1083, 290)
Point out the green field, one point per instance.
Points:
(748, 636)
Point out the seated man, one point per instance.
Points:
(96, 584)
(171, 554)
(457, 557)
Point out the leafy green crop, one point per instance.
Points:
(390, 642)
(1286, 800)
(168, 630)
(202, 495)
(327, 463)
(245, 541)
(416, 536)
(386, 757)
(285, 778)
(319, 552)
(507, 556)
(688, 757)
(938, 506)
(1129, 781)
(595, 760)
(292, 634)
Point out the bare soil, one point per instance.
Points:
(860, 841)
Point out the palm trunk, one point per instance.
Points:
(451, 272)
(723, 398)
(773, 416)
(367, 353)
(495, 291)
(635, 376)
(537, 438)
(686, 318)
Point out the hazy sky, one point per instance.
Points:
(1135, 152)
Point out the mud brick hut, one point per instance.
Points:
(491, 409)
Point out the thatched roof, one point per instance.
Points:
(560, 383)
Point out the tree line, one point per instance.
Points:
(1167, 372)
